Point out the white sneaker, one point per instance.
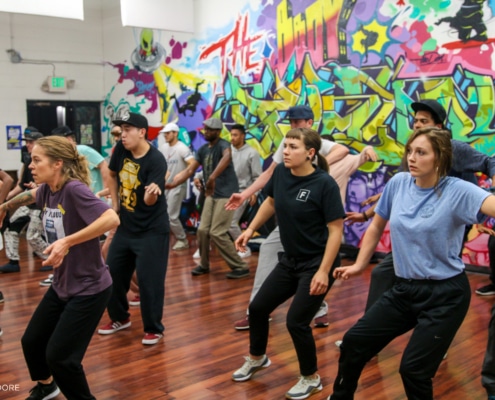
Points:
(323, 310)
(196, 254)
(181, 244)
(48, 281)
(304, 388)
(244, 254)
(249, 367)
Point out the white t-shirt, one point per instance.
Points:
(176, 157)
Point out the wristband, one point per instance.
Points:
(365, 216)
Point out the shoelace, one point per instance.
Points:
(305, 381)
(251, 363)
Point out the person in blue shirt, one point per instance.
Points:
(428, 211)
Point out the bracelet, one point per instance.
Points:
(365, 216)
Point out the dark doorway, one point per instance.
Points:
(83, 117)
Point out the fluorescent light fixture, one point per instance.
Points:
(51, 8)
(166, 15)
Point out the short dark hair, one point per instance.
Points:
(239, 127)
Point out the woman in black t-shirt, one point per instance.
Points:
(307, 203)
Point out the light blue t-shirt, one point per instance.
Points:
(426, 228)
(94, 159)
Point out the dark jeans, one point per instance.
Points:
(147, 255)
(289, 278)
(433, 309)
(57, 337)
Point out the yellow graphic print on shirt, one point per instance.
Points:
(129, 182)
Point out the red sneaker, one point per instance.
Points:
(151, 338)
(114, 326)
(136, 301)
(242, 324)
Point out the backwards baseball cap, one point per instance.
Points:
(433, 107)
(137, 120)
(213, 123)
(63, 130)
(170, 127)
(300, 112)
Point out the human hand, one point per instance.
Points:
(371, 199)
(319, 283)
(242, 241)
(153, 188)
(234, 202)
(252, 200)
(56, 253)
(344, 273)
(352, 217)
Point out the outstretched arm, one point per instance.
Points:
(23, 199)
(238, 198)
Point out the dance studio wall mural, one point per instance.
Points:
(358, 63)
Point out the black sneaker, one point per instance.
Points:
(488, 290)
(44, 392)
(2, 299)
(9, 267)
(238, 274)
(199, 270)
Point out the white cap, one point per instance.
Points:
(170, 127)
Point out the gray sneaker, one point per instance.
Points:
(304, 388)
(249, 367)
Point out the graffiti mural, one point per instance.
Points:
(359, 64)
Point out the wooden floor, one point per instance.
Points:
(201, 349)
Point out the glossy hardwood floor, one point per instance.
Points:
(201, 349)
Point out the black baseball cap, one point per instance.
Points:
(433, 107)
(300, 112)
(32, 135)
(137, 120)
(63, 130)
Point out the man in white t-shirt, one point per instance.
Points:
(178, 157)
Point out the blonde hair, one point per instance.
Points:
(75, 166)
(311, 140)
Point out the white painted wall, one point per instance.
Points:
(46, 38)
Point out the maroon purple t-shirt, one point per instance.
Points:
(83, 271)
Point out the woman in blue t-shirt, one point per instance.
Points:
(427, 211)
(307, 203)
(61, 328)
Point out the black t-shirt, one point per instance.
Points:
(133, 174)
(27, 177)
(226, 183)
(304, 205)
